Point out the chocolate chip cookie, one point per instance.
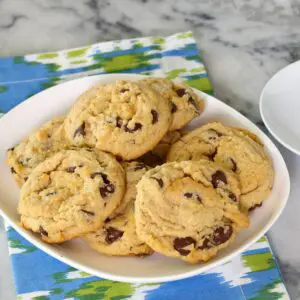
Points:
(253, 167)
(185, 103)
(118, 235)
(188, 209)
(126, 118)
(236, 149)
(71, 193)
(39, 145)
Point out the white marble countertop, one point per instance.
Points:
(242, 43)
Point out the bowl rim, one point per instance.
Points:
(262, 107)
(155, 279)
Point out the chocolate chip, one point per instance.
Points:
(180, 92)
(119, 122)
(159, 181)
(214, 132)
(103, 176)
(106, 189)
(218, 178)
(12, 170)
(118, 158)
(113, 234)
(234, 167)
(205, 244)
(43, 231)
(221, 235)
(70, 169)
(139, 166)
(174, 108)
(80, 130)
(151, 159)
(124, 90)
(154, 116)
(180, 243)
(188, 195)
(137, 126)
(254, 206)
(212, 155)
(232, 196)
(51, 194)
(193, 102)
(25, 178)
(11, 149)
(199, 198)
(192, 195)
(90, 213)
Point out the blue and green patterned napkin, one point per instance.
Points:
(252, 275)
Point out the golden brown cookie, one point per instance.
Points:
(188, 209)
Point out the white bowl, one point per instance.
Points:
(280, 106)
(156, 268)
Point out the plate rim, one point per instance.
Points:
(157, 279)
(263, 116)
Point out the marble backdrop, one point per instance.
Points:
(242, 42)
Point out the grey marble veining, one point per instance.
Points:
(242, 42)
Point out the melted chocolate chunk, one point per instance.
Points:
(159, 181)
(11, 149)
(118, 158)
(103, 176)
(221, 235)
(123, 90)
(25, 178)
(12, 170)
(174, 107)
(106, 189)
(43, 231)
(232, 196)
(180, 243)
(119, 122)
(193, 102)
(137, 126)
(80, 130)
(180, 92)
(154, 116)
(234, 167)
(113, 234)
(218, 178)
(192, 195)
(90, 213)
(205, 244)
(188, 195)
(254, 206)
(70, 169)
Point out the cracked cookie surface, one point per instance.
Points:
(34, 149)
(238, 150)
(183, 209)
(118, 234)
(126, 118)
(71, 193)
(185, 103)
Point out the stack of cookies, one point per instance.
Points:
(117, 172)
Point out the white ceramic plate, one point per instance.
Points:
(156, 268)
(280, 106)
